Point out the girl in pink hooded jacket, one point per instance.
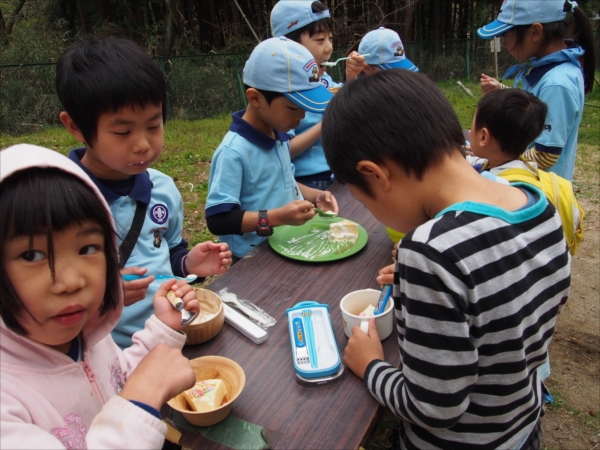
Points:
(64, 382)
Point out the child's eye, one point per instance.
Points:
(89, 250)
(121, 133)
(155, 127)
(32, 255)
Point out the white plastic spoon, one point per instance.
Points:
(333, 64)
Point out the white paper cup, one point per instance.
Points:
(356, 302)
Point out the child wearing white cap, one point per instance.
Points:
(251, 186)
(308, 22)
(383, 50)
(555, 69)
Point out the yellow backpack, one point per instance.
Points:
(560, 192)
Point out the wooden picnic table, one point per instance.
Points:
(336, 416)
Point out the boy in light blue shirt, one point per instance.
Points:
(308, 23)
(251, 185)
(114, 100)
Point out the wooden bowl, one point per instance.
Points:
(208, 368)
(202, 330)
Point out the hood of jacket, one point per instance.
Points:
(21, 350)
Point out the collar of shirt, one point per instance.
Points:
(244, 129)
(141, 183)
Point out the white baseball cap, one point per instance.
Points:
(524, 12)
(291, 15)
(282, 65)
(385, 50)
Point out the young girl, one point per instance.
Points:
(65, 383)
(557, 70)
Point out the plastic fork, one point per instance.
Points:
(326, 214)
(333, 64)
(300, 339)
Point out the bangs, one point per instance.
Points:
(43, 201)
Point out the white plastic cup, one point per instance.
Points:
(356, 302)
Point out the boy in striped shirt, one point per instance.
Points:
(478, 279)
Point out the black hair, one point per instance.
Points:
(320, 26)
(580, 33)
(269, 95)
(99, 76)
(392, 115)
(513, 117)
(45, 201)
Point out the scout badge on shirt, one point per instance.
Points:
(157, 236)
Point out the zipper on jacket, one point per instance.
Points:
(92, 379)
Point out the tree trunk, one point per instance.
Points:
(13, 19)
(104, 10)
(409, 12)
(82, 18)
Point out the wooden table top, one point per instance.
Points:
(332, 416)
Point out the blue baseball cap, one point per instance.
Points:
(523, 12)
(282, 65)
(290, 15)
(385, 50)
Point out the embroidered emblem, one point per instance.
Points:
(308, 65)
(315, 75)
(159, 214)
(399, 49)
(117, 379)
(295, 22)
(324, 82)
(157, 236)
(548, 127)
(72, 435)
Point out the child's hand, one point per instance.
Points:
(164, 310)
(327, 202)
(488, 84)
(294, 213)
(354, 65)
(162, 374)
(208, 258)
(386, 275)
(362, 349)
(135, 290)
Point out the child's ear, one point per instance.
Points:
(378, 176)
(254, 97)
(71, 127)
(537, 32)
(484, 137)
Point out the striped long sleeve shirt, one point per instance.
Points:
(476, 294)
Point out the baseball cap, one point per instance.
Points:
(523, 12)
(385, 50)
(281, 65)
(290, 15)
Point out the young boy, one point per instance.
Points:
(309, 24)
(506, 121)
(383, 50)
(251, 186)
(114, 100)
(478, 279)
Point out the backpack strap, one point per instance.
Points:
(130, 240)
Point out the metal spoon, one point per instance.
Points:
(130, 277)
(326, 214)
(333, 64)
(186, 316)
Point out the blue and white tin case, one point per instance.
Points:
(329, 365)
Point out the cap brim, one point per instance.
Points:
(313, 100)
(491, 30)
(404, 64)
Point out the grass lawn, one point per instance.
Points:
(189, 147)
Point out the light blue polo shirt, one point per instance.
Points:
(562, 89)
(161, 231)
(312, 160)
(250, 171)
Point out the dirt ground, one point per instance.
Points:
(572, 421)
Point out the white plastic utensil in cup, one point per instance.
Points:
(355, 302)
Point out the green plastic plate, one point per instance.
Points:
(310, 242)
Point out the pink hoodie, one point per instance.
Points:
(47, 400)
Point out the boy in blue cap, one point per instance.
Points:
(251, 186)
(308, 22)
(557, 64)
(114, 98)
(383, 50)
